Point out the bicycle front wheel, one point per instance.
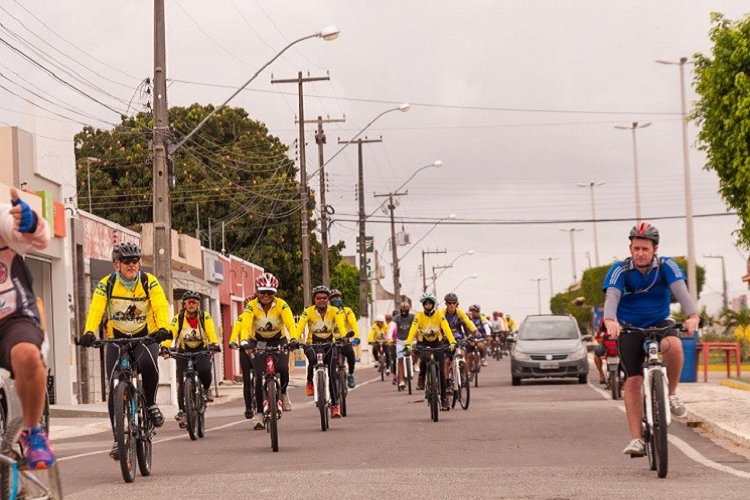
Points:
(320, 387)
(191, 412)
(465, 386)
(659, 435)
(143, 445)
(409, 372)
(124, 417)
(434, 393)
(273, 416)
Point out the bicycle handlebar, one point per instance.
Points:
(653, 330)
(145, 340)
(188, 354)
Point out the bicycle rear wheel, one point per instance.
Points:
(658, 401)
(320, 386)
(434, 393)
(273, 416)
(409, 372)
(124, 417)
(477, 366)
(188, 391)
(613, 384)
(341, 389)
(143, 445)
(381, 368)
(200, 425)
(465, 387)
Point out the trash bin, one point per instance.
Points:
(689, 368)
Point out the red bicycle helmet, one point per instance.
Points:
(267, 282)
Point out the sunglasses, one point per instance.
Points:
(191, 302)
(266, 292)
(451, 303)
(130, 260)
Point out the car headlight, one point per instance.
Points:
(579, 354)
(521, 356)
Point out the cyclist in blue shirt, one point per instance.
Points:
(638, 293)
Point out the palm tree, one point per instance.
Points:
(738, 322)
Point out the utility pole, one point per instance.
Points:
(725, 292)
(424, 269)
(362, 248)
(394, 251)
(591, 185)
(538, 293)
(162, 211)
(572, 231)
(551, 288)
(304, 194)
(320, 140)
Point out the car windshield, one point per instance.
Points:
(548, 330)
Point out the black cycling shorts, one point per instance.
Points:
(632, 354)
(17, 329)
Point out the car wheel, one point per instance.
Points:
(515, 381)
(582, 379)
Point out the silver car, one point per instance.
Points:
(549, 346)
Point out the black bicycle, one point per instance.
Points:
(432, 379)
(133, 427)
(193, 393)
(271, 389)
(476, 362)
(340, 374)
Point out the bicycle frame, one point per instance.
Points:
(653, 363)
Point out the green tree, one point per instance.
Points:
(232, 171)
(345, 277)
(566, 303)
(722, 80)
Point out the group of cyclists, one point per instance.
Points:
(131, 303)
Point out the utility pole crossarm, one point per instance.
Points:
(394, 247)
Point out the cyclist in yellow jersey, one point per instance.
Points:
(263, 321)
(461, 327)
(429, 328)
(351, 325)
(321, 321)
(135, 306)
(192, 330)
(378, 340)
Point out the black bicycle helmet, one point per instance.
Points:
(127, 251)
(190, 294)
(474, 308)
(321, 289)
(645, 231)
(451, 297)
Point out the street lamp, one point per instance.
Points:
(549, 260)
(434, 280)
(692, 279)
(538, 292)
(451, 216)
(572, 231)
(725, 294)
(435, 164)
(473, 277)
(591, 185)
(632, 127)
(329, 33)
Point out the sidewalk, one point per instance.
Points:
(721, 405)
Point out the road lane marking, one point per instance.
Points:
(184, 436)
(685, 448)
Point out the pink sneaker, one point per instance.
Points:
(36, 447)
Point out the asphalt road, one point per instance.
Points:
(542, 440)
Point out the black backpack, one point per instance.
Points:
(181, 321)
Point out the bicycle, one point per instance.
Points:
(382, 365)
(194, 395)
(432, 379)
(133, 427)
(16, 480)
(408, 371)
(271, 390)
(495, 347)
(476, 362)
(615, 374)
(339, 369)
(323, 400)
(460, 377)
(656, 413)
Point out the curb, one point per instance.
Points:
(736, 384)
(719, 430)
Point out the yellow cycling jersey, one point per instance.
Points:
(350, 322)
(464, 319)
(378, 333)
(430, 328)
(320, 328)
(256, 324)
(186, 336)
(129, 311)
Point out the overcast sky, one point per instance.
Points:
(519, 100)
